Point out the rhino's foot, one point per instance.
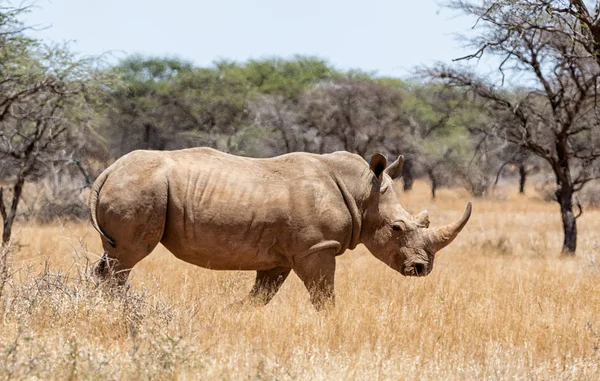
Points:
(108, 272)
(266, 285)
(242, 305)
(323, 300)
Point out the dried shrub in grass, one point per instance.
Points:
(48, 312)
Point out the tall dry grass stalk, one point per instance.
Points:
(500, 304)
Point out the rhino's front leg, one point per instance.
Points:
(317, 272)
(267, 284)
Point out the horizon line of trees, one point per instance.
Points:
(273, 106)
(64, 118)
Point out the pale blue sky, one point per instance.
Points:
(390, 37)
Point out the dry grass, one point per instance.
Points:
(500, 304)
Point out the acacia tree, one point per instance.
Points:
(43, 95)
(288, 79)
(438, 121)
(574, 21)
(273, 113)
(556, 119)
(357, 114)
(279, 100)
(142, 114)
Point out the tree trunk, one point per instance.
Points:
(152, 138)
(8, 216)
(408, 175)
(565, 199)
(564, 196)
(434, 183)
(146, 136)
(522, 178)
(286, 141)
(569, 228)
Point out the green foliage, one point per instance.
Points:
(288, 78)
(147, 75)
(360, 75)
(439, 118)
(138, 68)
(392, 82)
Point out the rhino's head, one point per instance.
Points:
(403, 242)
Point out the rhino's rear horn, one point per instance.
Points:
(443, 236)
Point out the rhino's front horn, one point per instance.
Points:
(441, 237)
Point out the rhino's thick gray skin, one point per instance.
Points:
(293, 212)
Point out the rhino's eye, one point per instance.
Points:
(398, 226)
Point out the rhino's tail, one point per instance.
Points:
(93, 204)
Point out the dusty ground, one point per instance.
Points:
(500, 304)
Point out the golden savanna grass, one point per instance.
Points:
(500, 304)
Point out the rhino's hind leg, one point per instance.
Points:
(131, 246)
(131, 210)
(117, 262)
(267, 284)
(265, 287)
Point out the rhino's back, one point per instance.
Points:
(230, 212)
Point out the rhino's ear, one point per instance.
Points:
(378, 164)
(395, 169)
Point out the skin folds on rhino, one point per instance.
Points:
(293, 212)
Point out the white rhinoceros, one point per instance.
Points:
(292, 212)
